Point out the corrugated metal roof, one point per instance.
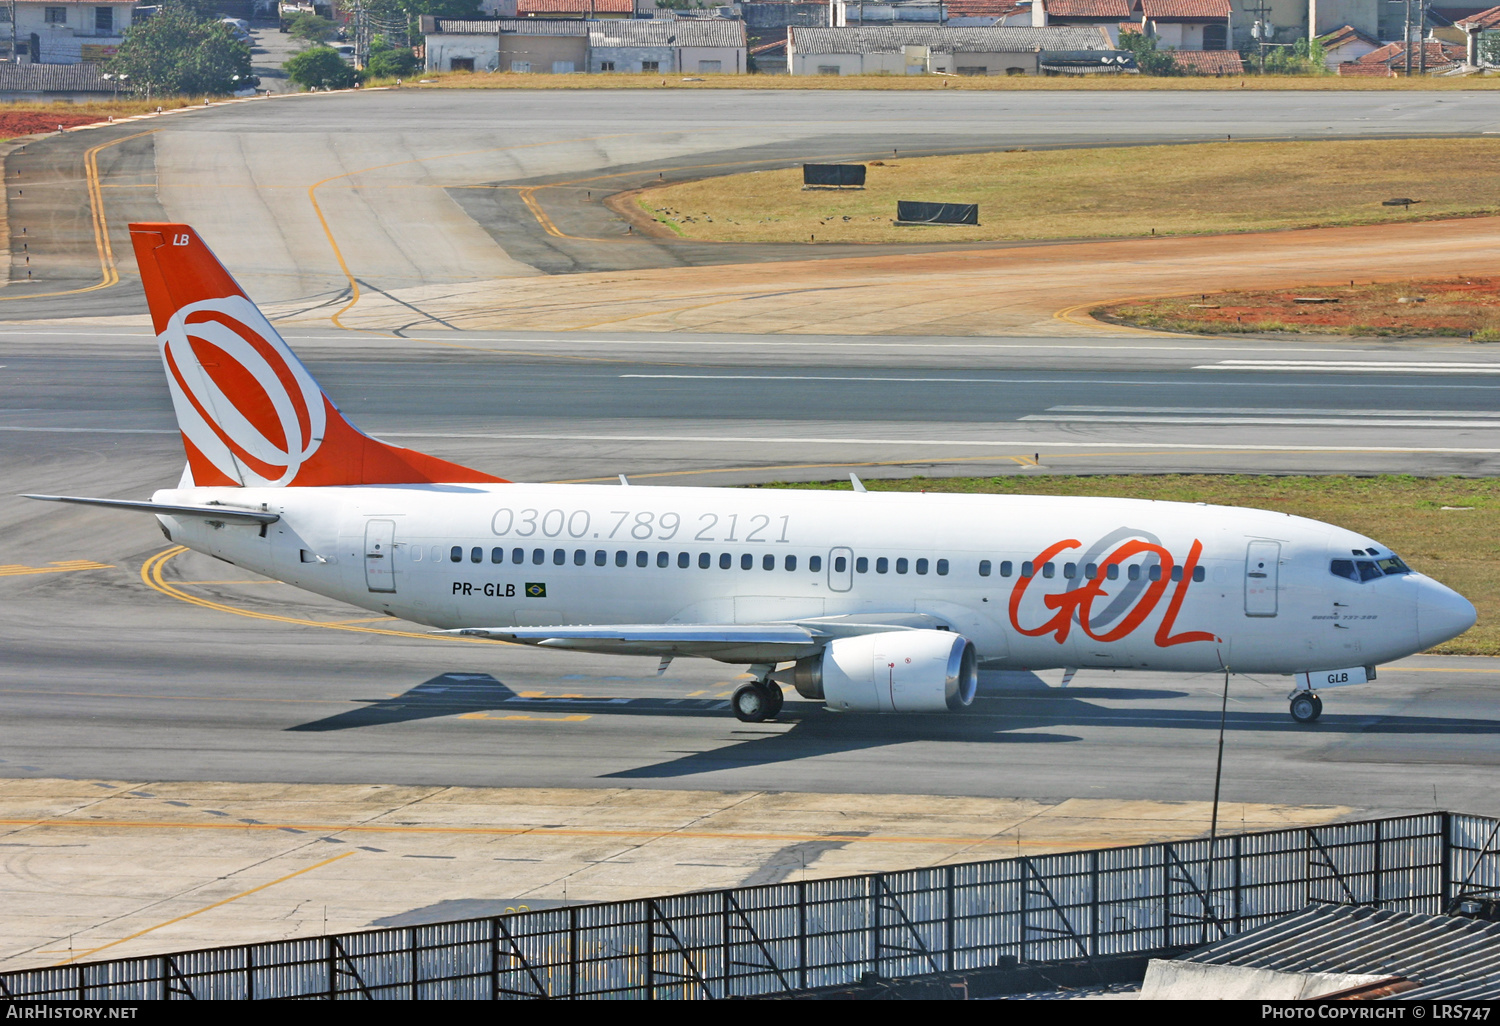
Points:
(53, 78)
(518, 26)
(990, 39)
(641, 32)
(1446, 956)
(575, 6)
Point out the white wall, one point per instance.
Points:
(63, 42)
(441, 49)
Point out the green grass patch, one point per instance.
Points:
(1115, 192)
(1458, 546)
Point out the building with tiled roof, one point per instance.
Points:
(1183, 10)
(1354, 69)
(1483, 21)
(1345, 44)
(575, 8)
(1438, 54)
(1105, 15)
(1209, 62)
(1184, 24)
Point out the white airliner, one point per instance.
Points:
(866, 602)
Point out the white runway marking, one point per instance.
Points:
(1089, 418)
(1024, 444)
(1355, 366)
(1063, 378)
(1269, 411)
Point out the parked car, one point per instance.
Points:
(344, 50)
(238, 27)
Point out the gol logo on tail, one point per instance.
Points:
(1140, 597)
(242, 399)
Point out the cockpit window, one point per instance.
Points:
(1362, 570)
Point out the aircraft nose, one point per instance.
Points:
(1442, 613)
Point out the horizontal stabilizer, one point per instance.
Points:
(229, 514)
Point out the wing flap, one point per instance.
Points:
(725, 642)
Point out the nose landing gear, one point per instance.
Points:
(1306, 706)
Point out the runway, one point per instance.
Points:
(687, 409)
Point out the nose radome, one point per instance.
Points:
(1442, 613)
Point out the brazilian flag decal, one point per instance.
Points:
(536, 591)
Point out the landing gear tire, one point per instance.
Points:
(1306, 708)
(753, 703)
(778, 699)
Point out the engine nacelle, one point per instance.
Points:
(893, 671)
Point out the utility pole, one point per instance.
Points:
(1406, 39)
(1259, 30)
(1422, 36)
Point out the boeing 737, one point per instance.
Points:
(863, 601)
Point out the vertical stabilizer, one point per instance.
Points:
(249, 411)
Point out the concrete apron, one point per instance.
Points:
(95, 870)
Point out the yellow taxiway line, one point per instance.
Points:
(205, 908)
(109, 274)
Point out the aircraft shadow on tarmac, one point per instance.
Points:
(1009, 709)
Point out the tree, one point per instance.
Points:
(1305, 57)
(178, 51)
(1148, 58)
(310, 28)
(321, 66)
(386, 61)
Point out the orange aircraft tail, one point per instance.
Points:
(249, 411)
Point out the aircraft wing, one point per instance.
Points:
(231, 514)
(730, 643)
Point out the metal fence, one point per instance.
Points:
(785, 937)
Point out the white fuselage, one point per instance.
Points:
(1262, 599)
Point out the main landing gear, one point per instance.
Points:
(1306, 706)
(757, 701)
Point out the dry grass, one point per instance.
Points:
(1100, 193)
(1449, 308)
(994, 83)
(1461, 548)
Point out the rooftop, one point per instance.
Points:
(519, 26)
(1209, 62)
(1183, 10)
(984, 8)
(640, 32)
(1446, 956)
(991, 39)
(575, 7)
(53, 78)
(1103, 10)
(1483, 20)
(1438, 53)
(1344, 35)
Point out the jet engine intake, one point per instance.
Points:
(893, 671)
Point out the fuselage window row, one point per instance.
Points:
(1355, 570)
